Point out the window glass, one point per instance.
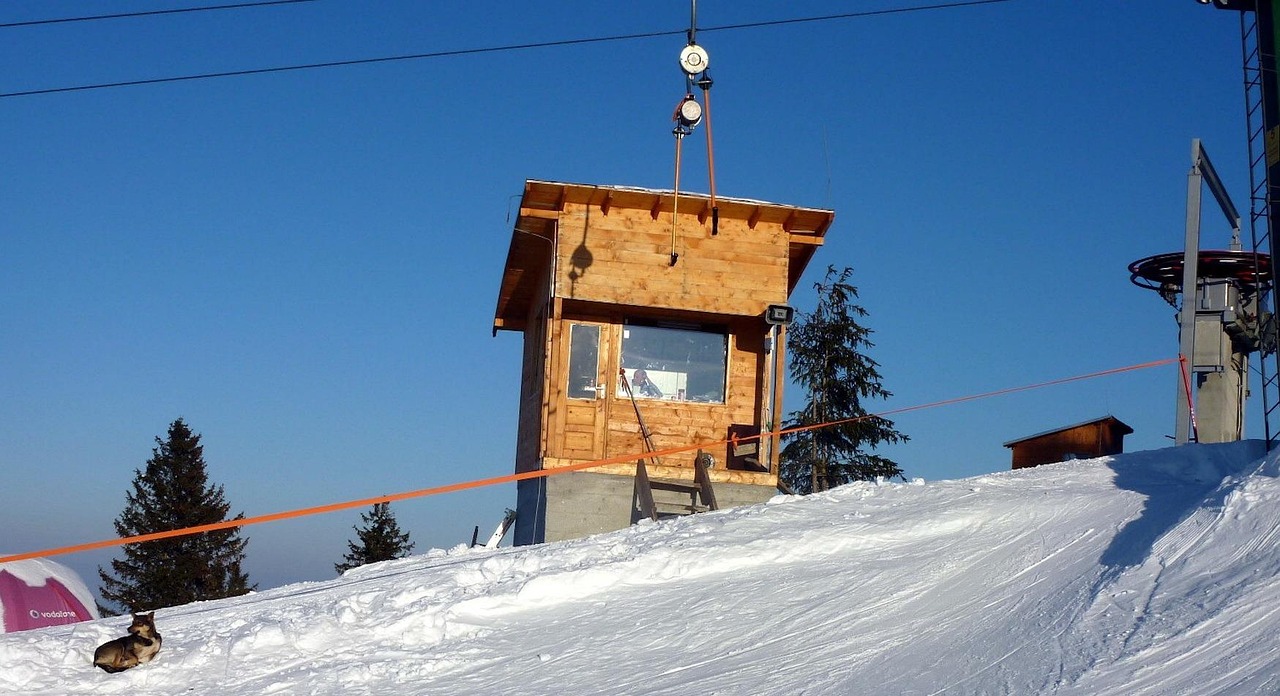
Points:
(674, 363)
(584, 360)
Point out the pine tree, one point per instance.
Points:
(826, 350)
(171, 493)
(380, 539)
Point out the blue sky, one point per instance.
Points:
(304, 265)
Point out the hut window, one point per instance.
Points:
(675, 362)
(584, 360)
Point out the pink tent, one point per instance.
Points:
(38, 593)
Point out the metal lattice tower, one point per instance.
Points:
(1260, 227)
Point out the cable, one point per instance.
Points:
(705, 84)
(130, 15)
(544, 473)
(852, 15)
(338, 63)
(490, 49)
(675, 196)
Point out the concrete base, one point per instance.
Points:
(579, 504)
(1220, 398)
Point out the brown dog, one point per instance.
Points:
(141, 645)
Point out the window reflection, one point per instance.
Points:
(674, 363)
(584, 360)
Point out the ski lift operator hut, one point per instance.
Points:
(612, 283)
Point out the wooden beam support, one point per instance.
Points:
(700, 465)
(754, 217)
(540, 214)
(644, 492)
(657, 207)
(806, 239)
(704, 213)
(779, 380)
(826, 224)
(790, 222)
(608, 199)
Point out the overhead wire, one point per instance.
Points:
(337, 64)
(492, 49)
(149, 13)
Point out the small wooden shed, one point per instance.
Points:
(626, 292)
(1096, 438)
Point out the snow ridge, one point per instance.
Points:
(1148, 573)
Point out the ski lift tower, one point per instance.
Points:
(1221, 316)
(1260, 44)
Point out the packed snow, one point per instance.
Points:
(1147, 573)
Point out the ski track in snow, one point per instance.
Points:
(1150, 573)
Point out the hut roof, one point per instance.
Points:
(1124, 429)
(533, 236)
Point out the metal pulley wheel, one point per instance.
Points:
(694, 59)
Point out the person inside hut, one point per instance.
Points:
(644, 386)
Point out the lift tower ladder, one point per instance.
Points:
(1260, 223)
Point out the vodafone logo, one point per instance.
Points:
(59, 614)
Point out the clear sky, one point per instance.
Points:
(305, 265)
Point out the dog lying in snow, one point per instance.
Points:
(141, 645)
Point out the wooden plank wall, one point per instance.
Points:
(613, 266)
(624, 257)
(533, 394)
(1085, 441)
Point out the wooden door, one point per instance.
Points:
(588, 387)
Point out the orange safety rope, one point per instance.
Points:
(480, 483)
(1191, 406)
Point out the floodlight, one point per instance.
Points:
(779, 315)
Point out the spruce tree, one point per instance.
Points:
(380, 539)
(171, 493)
(827, 359)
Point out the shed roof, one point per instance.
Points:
(1124, 429)
(529, 255)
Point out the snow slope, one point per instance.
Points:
(1149, 573)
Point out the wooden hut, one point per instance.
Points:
(1096, 438)
(644, 313)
